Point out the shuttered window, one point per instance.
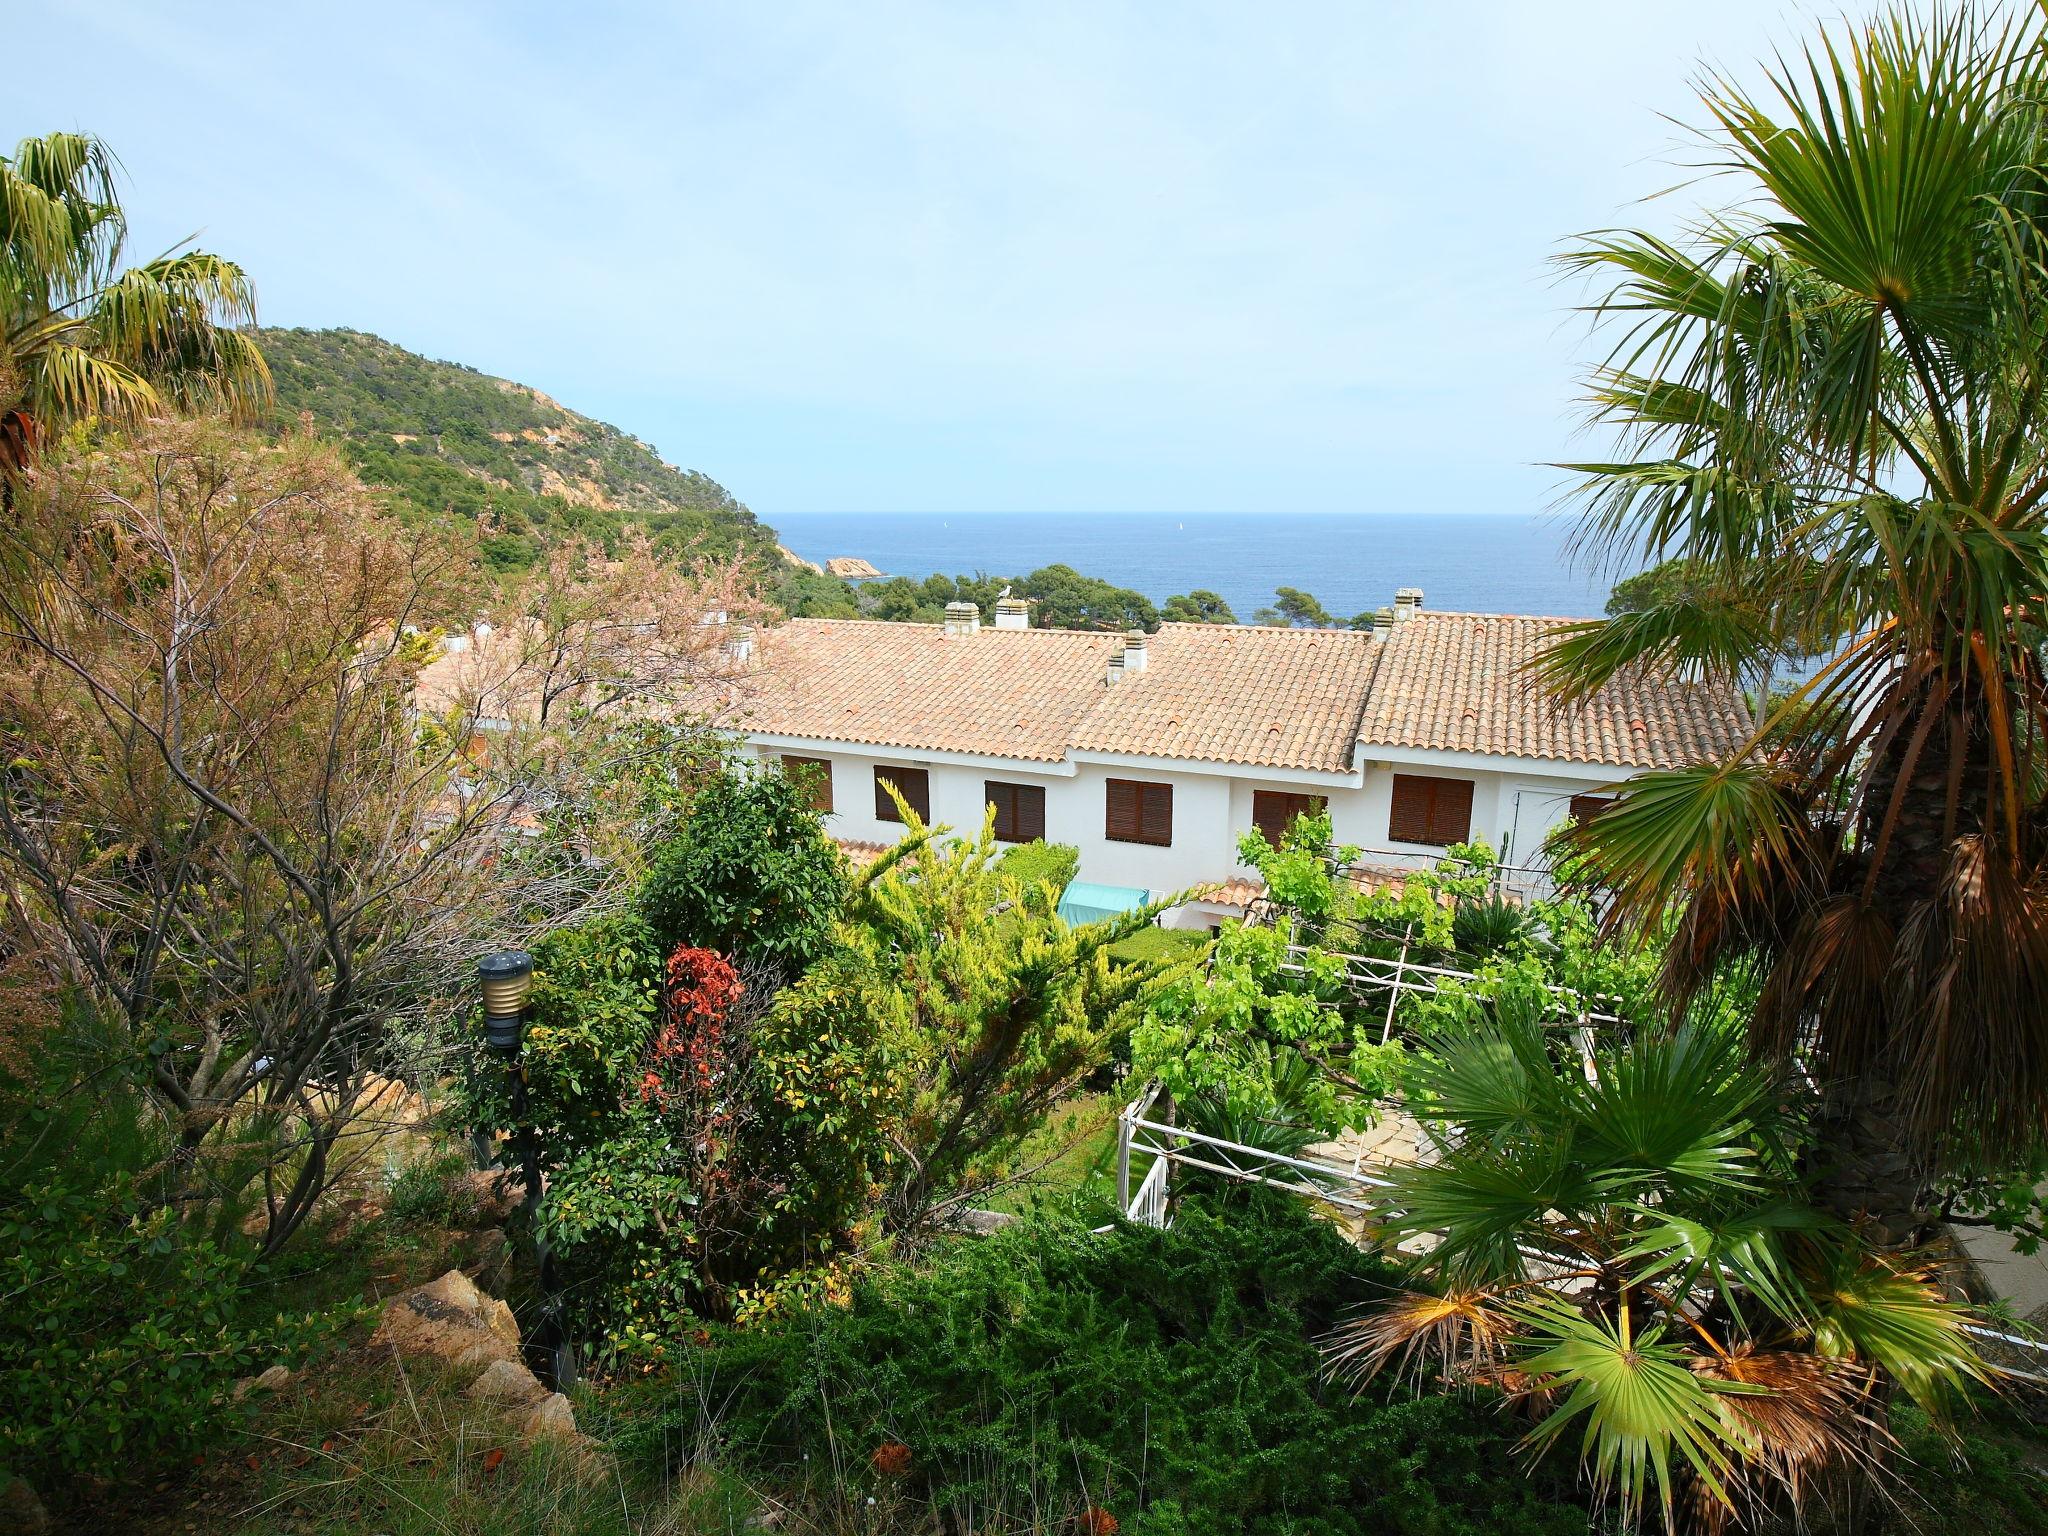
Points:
(1274, 811)
(1430, 810)
(1586, 807)
(1137, 812)
(814, 776)
(1020, 810)
(913, 784)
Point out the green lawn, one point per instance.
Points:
(1156, 943)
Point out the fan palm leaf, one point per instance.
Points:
(1643, 1411)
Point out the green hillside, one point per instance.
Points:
(450, 442)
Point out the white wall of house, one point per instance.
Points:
(1515, 805)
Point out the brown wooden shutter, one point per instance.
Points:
(1586, 807)
(1155, 818)
(913, 784)
(1020, 810)
(1274, 811)
(1430, 810)
(1120, 811)
(814, 775)
(1136, 812)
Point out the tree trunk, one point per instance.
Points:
(1865, 1170)
(1872, 1169)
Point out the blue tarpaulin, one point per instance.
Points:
(1085, 902)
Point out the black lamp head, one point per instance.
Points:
(507, 977)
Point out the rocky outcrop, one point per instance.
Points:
(450, 1320)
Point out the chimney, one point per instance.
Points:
(1407, 603)
(714, 616)
(962, 620)
(1013, 613)
(1134, 651)
(1115, 673)
(739, 645)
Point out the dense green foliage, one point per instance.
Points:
(1060, 597)
(751, 875)
(1200, 606)
(593, 1006)
(1035, 866)
(1168, 1378)
(122, 1338)
(122, 1327)
(450, 443)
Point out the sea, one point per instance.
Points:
(1350, 562)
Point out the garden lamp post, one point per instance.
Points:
(506, 976)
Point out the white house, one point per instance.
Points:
(1153, 753)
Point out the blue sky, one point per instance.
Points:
(901, 257)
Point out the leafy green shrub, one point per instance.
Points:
(1169, 1377)
(594, 1005)
(1219, 1034)
(1040, 863)
(751, 875)
(1987, 1477)
(1298, 875)
(121, 1338)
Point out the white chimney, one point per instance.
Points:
(714, 616)
(1013, 613)
(739, 645)
(962, 621)
(1134, 651)
(1407, 603)
(1115, 672)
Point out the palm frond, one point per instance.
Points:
(1646, 1413)
(1741, 1253)
(1729, 830)
(1806, 1418)
(1871, 1310)
(1463, 1333)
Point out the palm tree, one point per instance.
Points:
(1632, 1255)
(1832, 401)
(82, 335)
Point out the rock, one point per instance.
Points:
(21, 1512)
(276, 1379)
(507, 1381)
(981, 1223)
(483, 1197)
(551, 1417)
(450, 1319)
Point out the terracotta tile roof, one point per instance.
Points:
(859, 854)
(1231, 893)
(1271, 698)
(1456, 682)
(1004, 693)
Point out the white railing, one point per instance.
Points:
(1148, 1206)
(1364, 974)
(1347, 1186)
